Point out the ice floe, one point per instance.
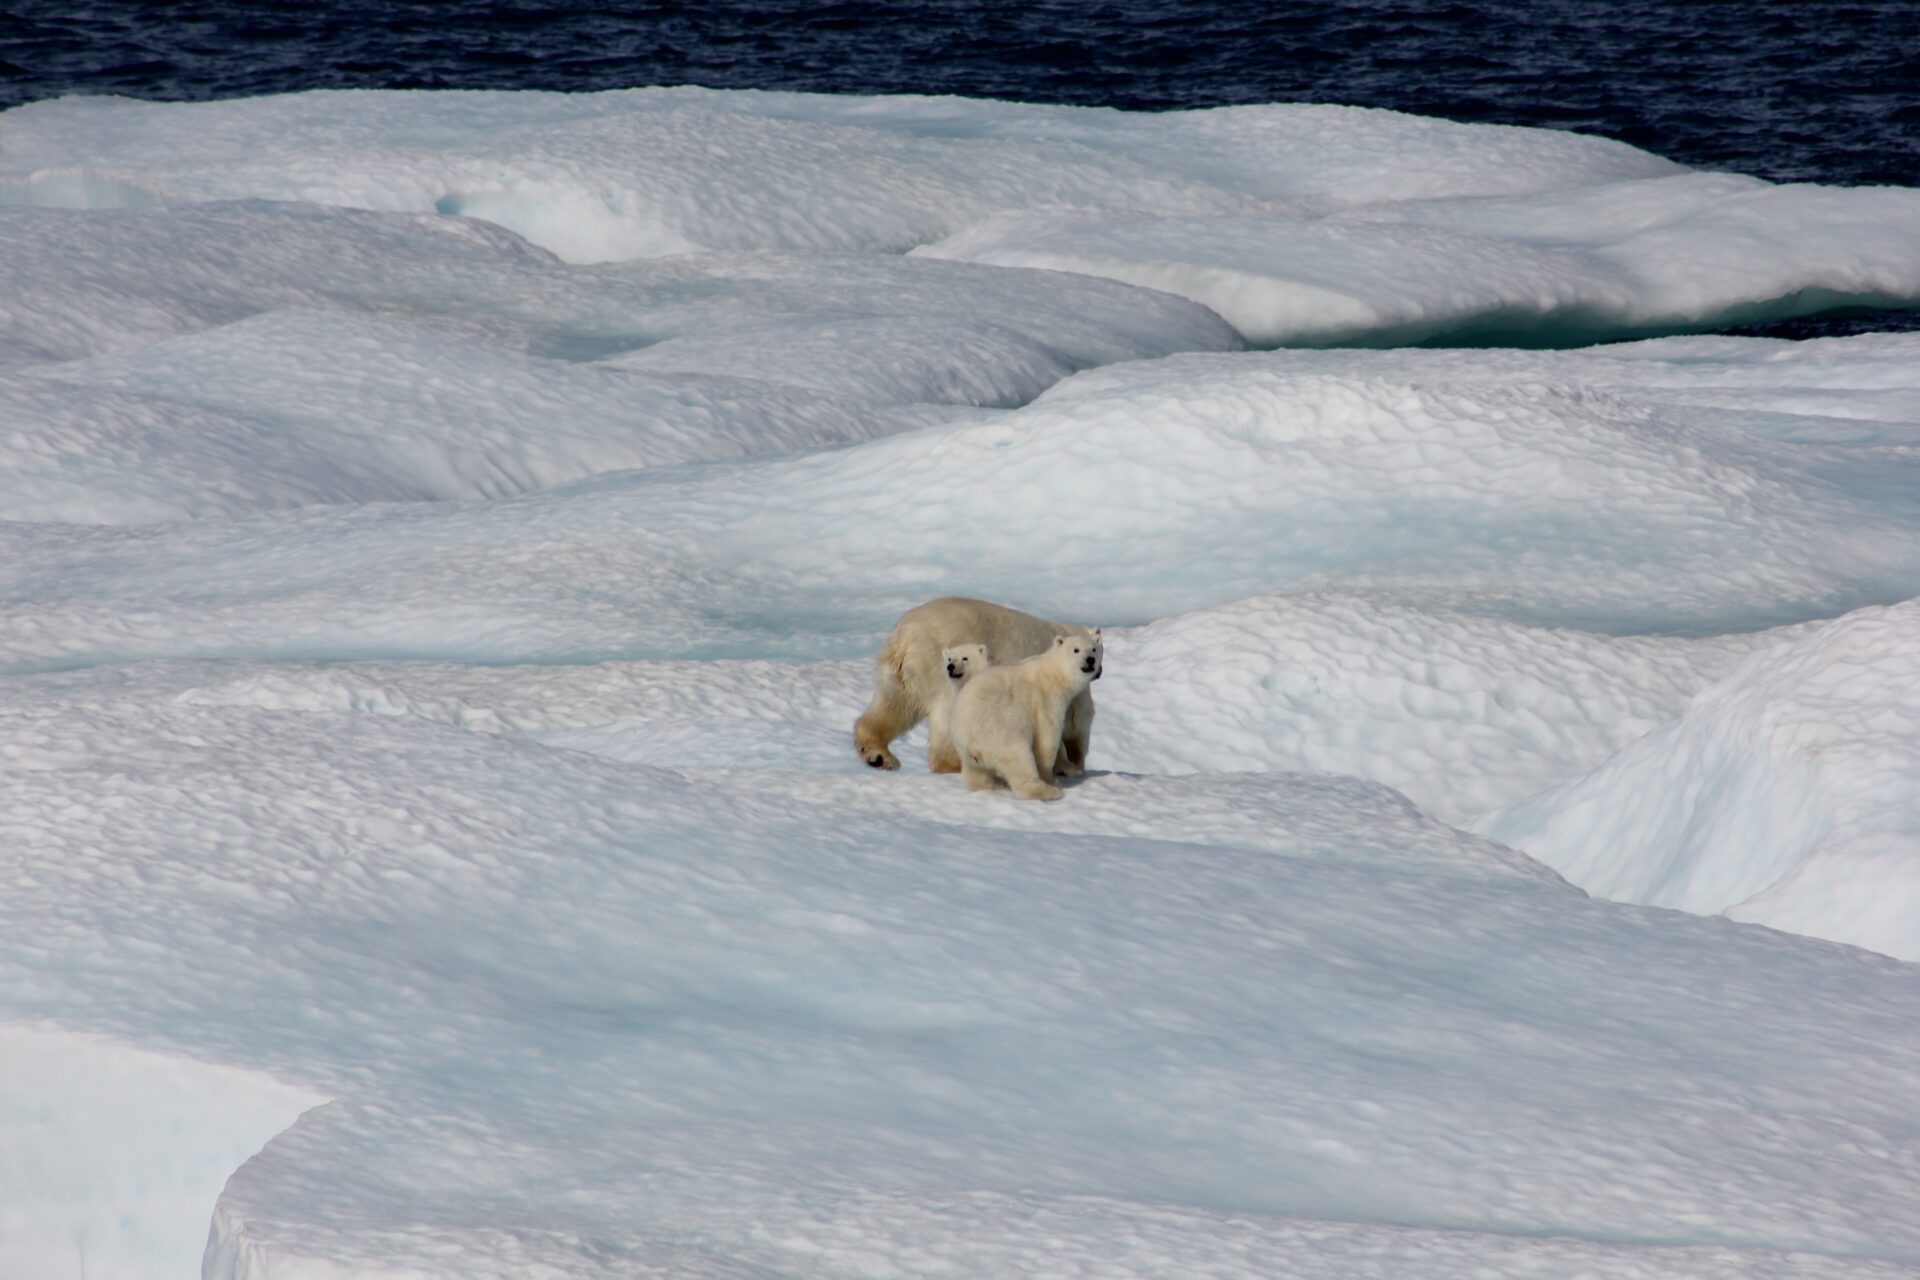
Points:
(443, 542)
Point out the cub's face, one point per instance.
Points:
(964, 660)
(1086, 654)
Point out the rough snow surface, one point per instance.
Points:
(1192, 482)
(1784, 794)
(1462, 714)
(604, 176)
(1298, 223)
(622, 1005)
(443, 543)
(1641, 256)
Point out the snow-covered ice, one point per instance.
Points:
(649, 172)
(1637, 256)
(1123, 494)
(443, 538)
(114, 1156)
(1297, 223)
(593, 1015)
(1783, 794)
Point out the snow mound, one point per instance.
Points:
(1193, 482)
(115, 1155)
(1784, 795)
(102, 282)
(1861, 391)
(1198, 480)
(602, 1017)
(1462, 714)
(292, 407)
(602, 176)
(1643, 256)
(1300, 224)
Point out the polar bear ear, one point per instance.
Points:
(1096, 633)
(1060, 640)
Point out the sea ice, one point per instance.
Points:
(1784, 794)
(651, 172)
(114, 1155)
(1640, 256)
(443, 542)
(1192, 483)
(600, 1017)
(1298, 223)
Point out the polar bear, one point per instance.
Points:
(1007, 722)
(910, 680)
(965, 661)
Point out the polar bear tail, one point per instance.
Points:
(891, 713)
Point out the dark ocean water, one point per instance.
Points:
(1789, 91)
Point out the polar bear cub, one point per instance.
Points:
(965, 661)
(1007, 722)
(910, 681)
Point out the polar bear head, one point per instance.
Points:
(965, 660)
(1085, 655)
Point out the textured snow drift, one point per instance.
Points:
(1784, 795)
(294, 408)
(1193, 482)
(1461, 714)
(604, 176)
(618, 1006)
(328, 356)
(100, 282)
(1655, 254)
(443, 542)
(1299, 224)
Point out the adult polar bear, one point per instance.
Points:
(910, 678)
(1007, 722)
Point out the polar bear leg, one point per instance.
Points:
(976, 778)
(888, 716)
(1072, 760)
(941, 756)
(1048, 751)
(1021, 775)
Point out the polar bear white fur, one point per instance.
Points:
(1007, 722)
(910, 681)
(965, 661)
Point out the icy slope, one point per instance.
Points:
(115, 1155)
(1462, 714)
(1694, 251)
(1185, 484)
(292, 408)
(101, 282)
(604, 1018)
(253, 356)
(1784, 795)
(629, 174)
(1299, 224)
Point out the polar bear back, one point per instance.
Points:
(1009, 634)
